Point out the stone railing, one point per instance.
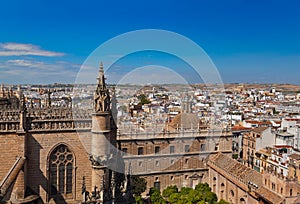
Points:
(178, 135)
(9, 126)
(57, 113)
(58, 118)
(10, 115)
(45, 119)
(47, 125)
(9, 120)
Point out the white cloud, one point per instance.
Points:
(33, 71)
(19, 49)
(25, 63)
(39, 65)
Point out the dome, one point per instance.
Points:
(185, 121)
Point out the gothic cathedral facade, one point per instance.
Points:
(44, 159)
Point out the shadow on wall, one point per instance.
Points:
(35, 177)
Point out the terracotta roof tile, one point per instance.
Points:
(237, 169)
(239, 128)
(246, 175)
(259, 122)
(269, 195)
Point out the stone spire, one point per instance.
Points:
(101, 96)
(10, 91)
(101, 78)
(103, 137)
(2, 93)
(19, 92)
(23, 110)
(186, 104)
(48, 99)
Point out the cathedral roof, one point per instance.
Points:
(236, 169)
(269, 195)
(245, 175)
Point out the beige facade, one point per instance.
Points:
(173, 158)
(253, 141)
(294, 167)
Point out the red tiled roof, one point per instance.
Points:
(259, 122)
(292, 119)
(237, 128)
(283, 146)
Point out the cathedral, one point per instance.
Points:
(45, 160)
(58, 154)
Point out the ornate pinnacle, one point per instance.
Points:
(101, 96)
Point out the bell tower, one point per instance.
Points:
(102, 140)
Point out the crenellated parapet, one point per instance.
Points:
(9, 120)
(49, 113)
(58, 118)
(45, 119)
(9, 115)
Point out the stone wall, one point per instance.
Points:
(12, 146)
(39, 147)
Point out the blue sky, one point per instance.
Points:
(248, 40)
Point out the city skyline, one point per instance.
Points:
(249, 42)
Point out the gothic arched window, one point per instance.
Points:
(61, 170)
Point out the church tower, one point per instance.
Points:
(102, 140)
(186, 104)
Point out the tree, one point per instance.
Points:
(210, 197)
(205, 193)
(139, 200)
(143, 99)
(222, 202)
(185, 195)
(194, 197)
(155, 196)
(169, 191)
(138, 184)
(185, 190)
(200, 195)
(174, 198)
(202, 187)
